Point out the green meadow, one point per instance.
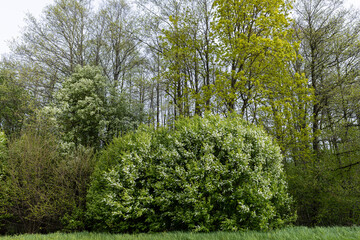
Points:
(300, 233)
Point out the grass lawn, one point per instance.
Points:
(302, 233)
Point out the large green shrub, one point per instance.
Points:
(206, 174)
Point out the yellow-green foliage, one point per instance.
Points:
(254, 48)
(254, 52)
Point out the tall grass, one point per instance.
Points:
(296, 233)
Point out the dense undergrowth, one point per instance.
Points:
(203, 174)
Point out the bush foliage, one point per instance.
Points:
(205, 174)
(325, 194)
(3, 147)
(39, 185)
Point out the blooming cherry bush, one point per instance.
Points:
(204, 174)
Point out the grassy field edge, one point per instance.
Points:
(328, 233)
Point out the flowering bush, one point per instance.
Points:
(205, 174)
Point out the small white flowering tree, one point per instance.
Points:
(82, 106)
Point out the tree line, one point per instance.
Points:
(92, 74)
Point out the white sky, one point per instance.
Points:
(12, 14)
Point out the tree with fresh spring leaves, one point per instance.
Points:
(15, 102)
(253, 48)
(326, 185)
(114, 42)
(254, 53)
(53, 44)
(188, 57)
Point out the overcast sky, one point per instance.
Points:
(12, 14)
